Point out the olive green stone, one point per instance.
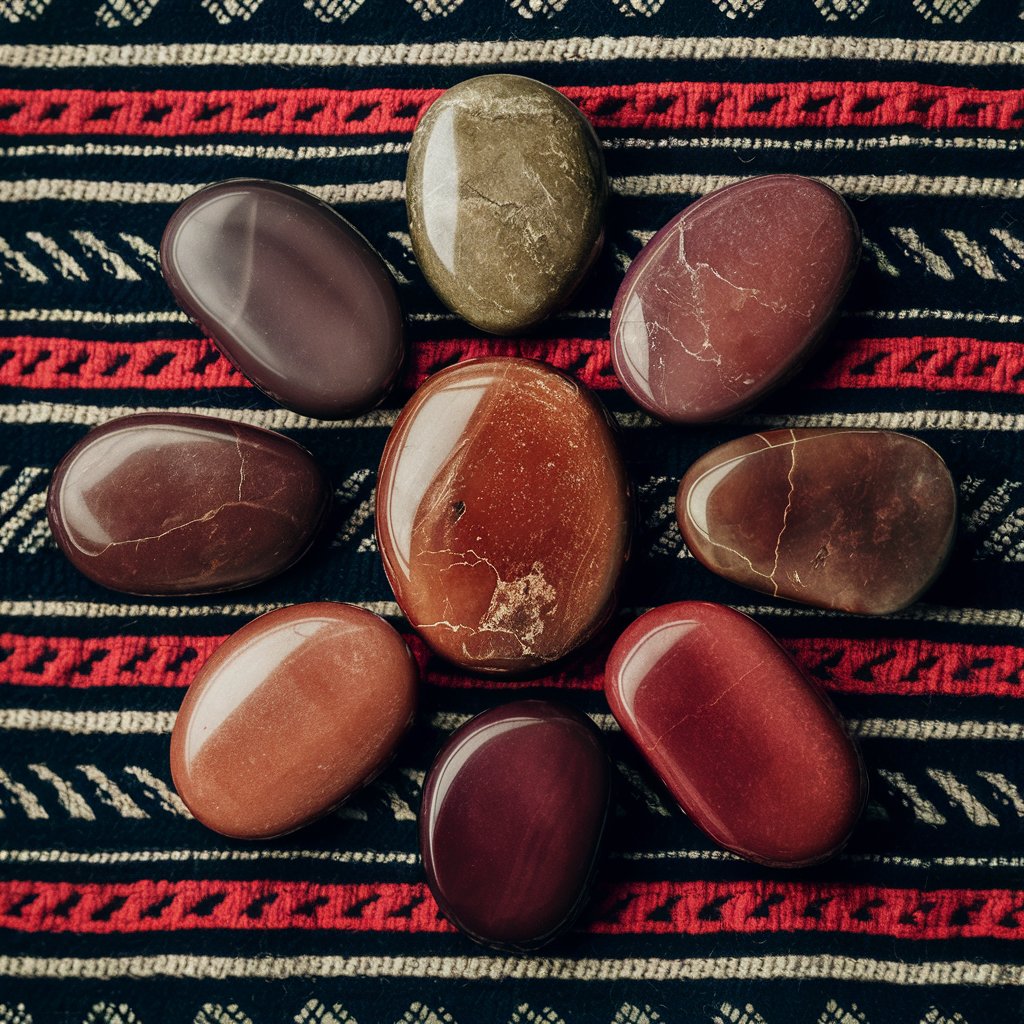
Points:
(506, 191)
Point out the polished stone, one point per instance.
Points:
(749, 748)
(291, 292)
(166, 503)
(856, 520)
(289, 717)
(730, 297)
(503, 514)
(506, 191)
(511, 823)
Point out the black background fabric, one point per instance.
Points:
(802, 976)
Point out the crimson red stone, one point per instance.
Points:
(751, 750)
(513, 811)
(503, 514)
(729, 298)
(289, 716)
(856, 520)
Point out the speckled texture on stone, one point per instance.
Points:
(505, 190)
(503, 514)
(855, 520)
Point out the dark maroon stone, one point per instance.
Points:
(165, 503)
(729, 298)
(513, 812)
(291, 292)
(751, 750)
(856, 520)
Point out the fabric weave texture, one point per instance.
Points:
(117, 907)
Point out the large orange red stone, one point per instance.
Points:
(503, 514)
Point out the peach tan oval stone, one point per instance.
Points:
(503, 514)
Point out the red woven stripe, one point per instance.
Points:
(687, 908)
(934, 364)
(899, 667)
(662, 105)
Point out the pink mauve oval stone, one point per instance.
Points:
(730, 297)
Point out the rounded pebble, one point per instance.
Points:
(290, 716)
(171, 503)
(503, 514)
(295, 297)
(513, 812)
(749, 748)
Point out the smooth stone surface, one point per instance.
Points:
(513, 812)
(730, 297)
(291, 715)
(505, 191)
(750, 749)
(291, 293)
(855, 520)
(166, 503)
(503, 514)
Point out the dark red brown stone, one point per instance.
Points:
(750, 749)
(513, 812)
(165, 503)
(289, 716)
(503, 514)
(291, 292)
(856, 520)
(730, 297)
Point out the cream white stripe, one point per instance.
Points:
(969, 316)
(496, 968)
(137, 722)
(100, 610)
(813, 145)
(890, 860)
(856, 185)
(1012, 618)
(284, 419)
(90, 316)
(91, 191)
(232, 856)
(276, 419)
(110, 857)
(183, 150)
(515, 51)
(731, 142)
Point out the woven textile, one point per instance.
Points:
(117, 907)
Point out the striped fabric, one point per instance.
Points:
(115, 906)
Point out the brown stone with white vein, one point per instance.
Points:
(855, 520)
(730, 297)
(503, 514)
(171, 503)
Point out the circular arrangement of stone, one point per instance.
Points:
(504, 511)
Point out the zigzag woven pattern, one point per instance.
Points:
(116, 907)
